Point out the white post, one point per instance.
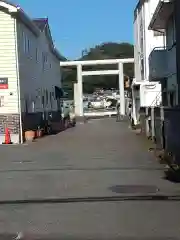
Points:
(79, 103)
(76, 99)
(121, 88)
(152, 123)
(147, 121)
(133, 106)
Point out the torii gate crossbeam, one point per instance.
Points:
(78, 89)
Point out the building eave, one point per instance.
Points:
(58, 55)
(162, 13)
(28, 22)
(18, 13)
(9, 6)
(47, 31)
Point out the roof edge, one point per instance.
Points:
(138, 6)
(7, 4)
(155, 14)
(18, 12)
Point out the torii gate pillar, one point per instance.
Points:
(78, 92)
(78, 87)
(121, 88)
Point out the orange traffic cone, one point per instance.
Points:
(7, 139)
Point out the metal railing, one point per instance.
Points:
(159, 94)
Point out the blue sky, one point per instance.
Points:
(80, 24)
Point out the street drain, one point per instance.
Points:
(134, 189)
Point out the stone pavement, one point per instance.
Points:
(92, 160)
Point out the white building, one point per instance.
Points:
(145, 40)
(163, 61)
(30, 77)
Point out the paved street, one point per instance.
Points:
(71, 186)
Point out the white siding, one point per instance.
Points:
(149, 41)
(137, 65)
(139, 54)
(8, 67)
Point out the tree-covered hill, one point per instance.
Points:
(103, 51)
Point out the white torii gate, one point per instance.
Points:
(78, 87)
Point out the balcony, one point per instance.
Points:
(161, 15)
(158, 64)
(162, 63)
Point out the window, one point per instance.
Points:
(26, 105)
(33, 106)
(1, 101)
(142, 69)
(158, 33)
(142, 44)
(42, 101)
(53, 94)
(50, 97)
(26, 43)
(46, 97)
(36, 54)
(172, 99)
(44, 59)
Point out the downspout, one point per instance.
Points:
(137, 64)
(133, 106)
(18, 81)
(177, 34)
(144, 40)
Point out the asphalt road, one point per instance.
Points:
(95, 181)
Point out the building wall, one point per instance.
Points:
(51, 74)
(8, 67)
(36, 75)
(171, 59)
(138, 51)
(152, 39)
(39, 72)
(145, 40)
(9, 107)
(177, 25)
(28, 67)
(172, 114)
